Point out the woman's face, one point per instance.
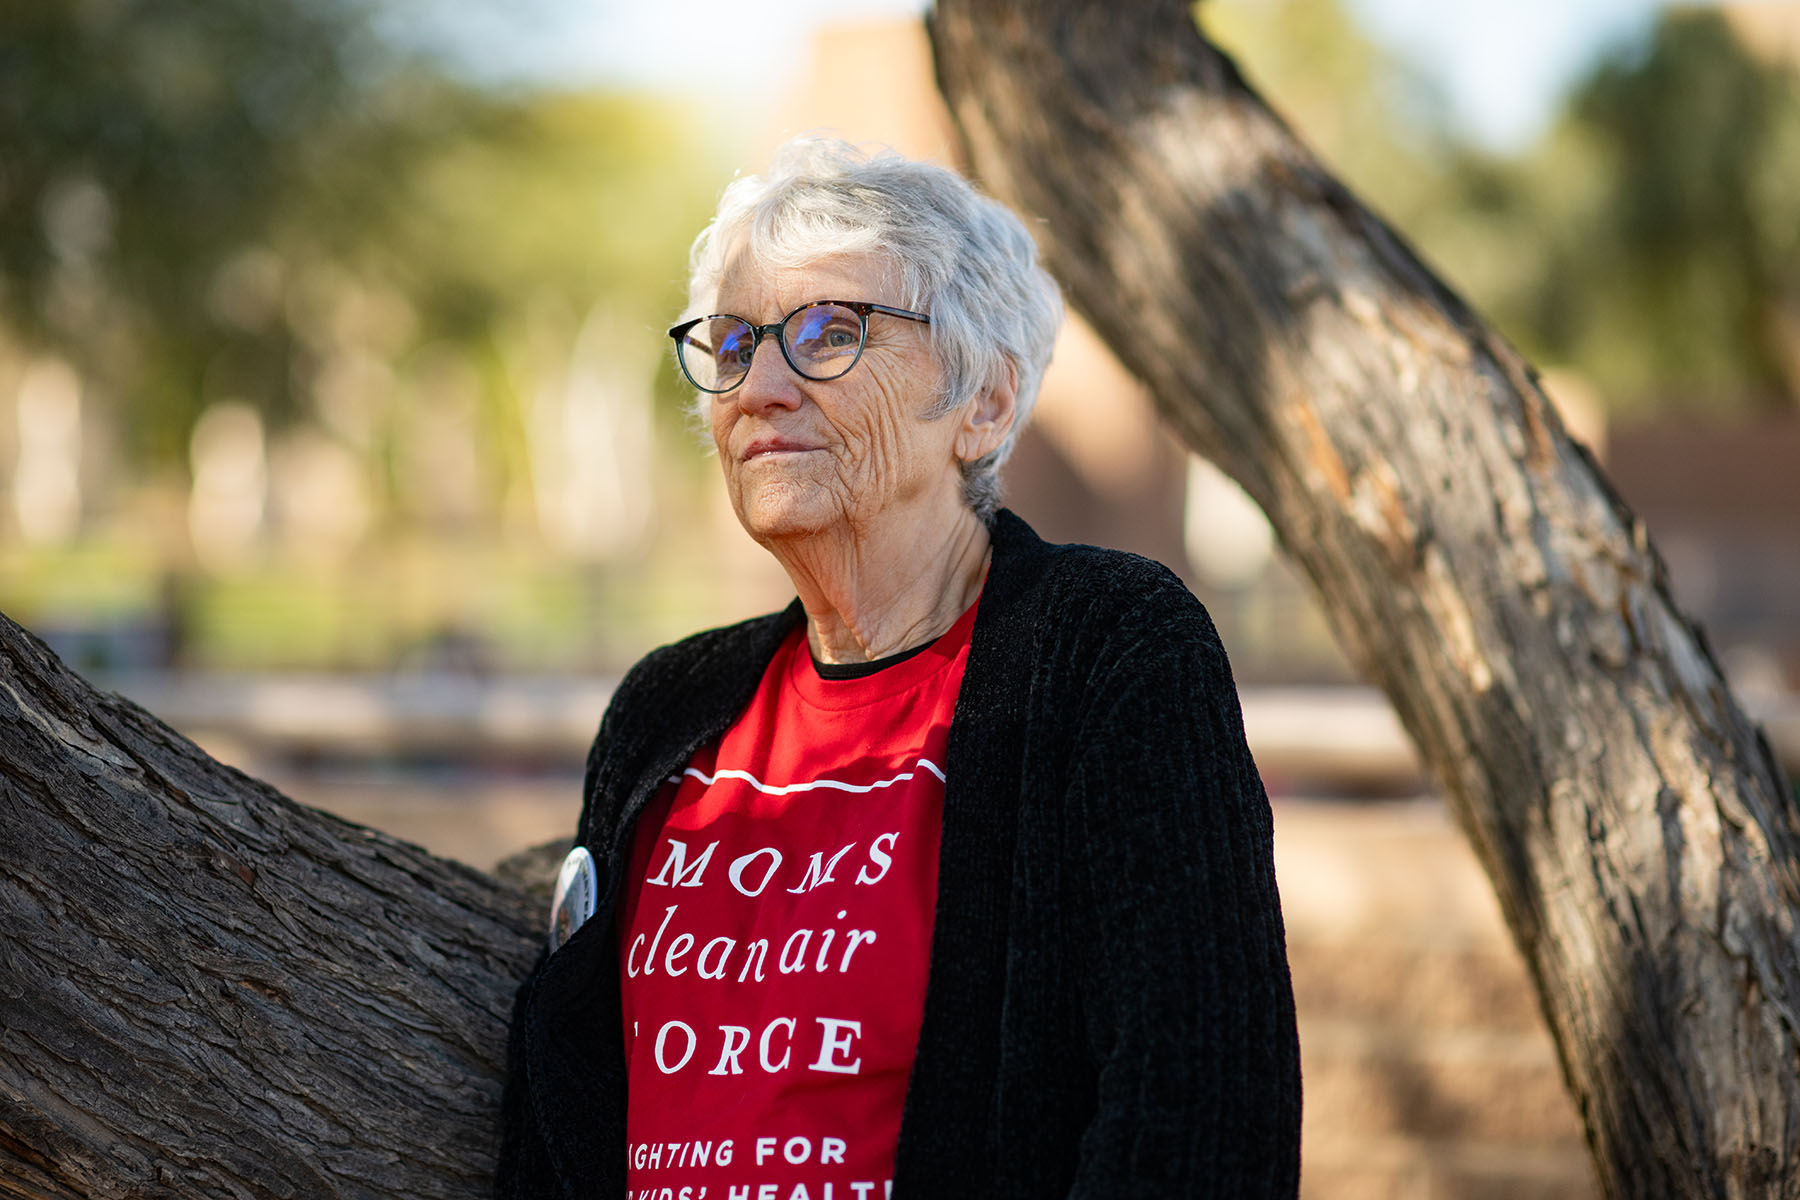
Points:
(802, 457)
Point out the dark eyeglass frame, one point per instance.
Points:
(862, 309)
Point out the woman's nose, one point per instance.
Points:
(769, 383)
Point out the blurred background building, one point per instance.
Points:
(337, 424)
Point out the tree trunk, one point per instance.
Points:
(207, 989)
(1472, 560)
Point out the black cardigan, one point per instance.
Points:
(1108, 1011)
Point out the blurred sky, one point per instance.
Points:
(1501, 65)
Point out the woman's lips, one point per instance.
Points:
(766, 446)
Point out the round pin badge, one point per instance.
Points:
(577, 896)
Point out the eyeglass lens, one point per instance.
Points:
(822, 342)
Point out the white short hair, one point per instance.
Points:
(960, 256)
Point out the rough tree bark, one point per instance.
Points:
(209, 990)
(1472, 559)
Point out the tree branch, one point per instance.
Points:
(206, 988)
(1472, 559)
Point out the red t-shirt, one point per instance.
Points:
(775, 934)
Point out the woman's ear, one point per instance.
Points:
(986, 419)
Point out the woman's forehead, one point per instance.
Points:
(748, 281)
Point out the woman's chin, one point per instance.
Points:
(779, 513)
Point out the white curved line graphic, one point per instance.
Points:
(783, 789)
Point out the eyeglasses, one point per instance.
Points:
(821, 341)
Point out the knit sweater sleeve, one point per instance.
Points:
(1184, 987)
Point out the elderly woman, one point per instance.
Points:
(953, 878)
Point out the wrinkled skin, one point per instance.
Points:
(853, 490)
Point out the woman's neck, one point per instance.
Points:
(872, 591)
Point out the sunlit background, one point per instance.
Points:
(329, 332)
(337, 424)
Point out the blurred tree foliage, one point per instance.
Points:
(198, 196)
(1648, 239)
(1682, 283)
(146, 143)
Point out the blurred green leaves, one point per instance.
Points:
(317, 331)
(1650, 240)
(145, 143)
(1685, 281)
(192, 192)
